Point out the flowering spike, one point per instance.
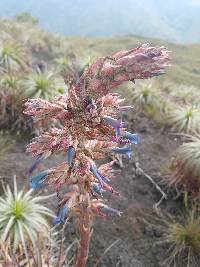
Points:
(89, 130)
(70, 155)
(126, 150)
(143, 62)
(134, 138)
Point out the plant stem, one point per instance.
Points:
(85, 225)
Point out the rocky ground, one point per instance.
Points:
(136, 243)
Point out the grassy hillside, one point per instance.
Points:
(36, 64)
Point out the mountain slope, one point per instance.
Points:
(176, 21)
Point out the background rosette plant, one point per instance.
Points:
(91, 127)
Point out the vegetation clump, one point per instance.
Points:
(23, 218)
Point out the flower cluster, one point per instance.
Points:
(90, 127)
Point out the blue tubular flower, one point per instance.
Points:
(94, 170)
(70, 155)
(35, 164)
(37, 181)
(62, 213)
(134, 138)
(102, 179)
(116, 124)
(126, 150)
(110, 211)
(105, 179)
(96, 188)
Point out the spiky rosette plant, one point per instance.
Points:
(185, 119)
(185, 166)
(22, 217)
(43, 85)
(13, 56)
(90, 116)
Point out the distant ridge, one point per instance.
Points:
(175, 21)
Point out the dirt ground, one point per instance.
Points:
(137, 242)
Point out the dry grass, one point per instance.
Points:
(185, 167)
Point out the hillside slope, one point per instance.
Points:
(185, 68)
(176, 21)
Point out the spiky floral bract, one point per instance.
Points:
(92, 127)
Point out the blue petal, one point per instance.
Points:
(99, 176)
(123, 150)
(105, 179)
(114, 122)
(36, 181)
(62, 213)
(96, 188)
(35, 164)
(70, 155)
(134, 138)
(94, 170)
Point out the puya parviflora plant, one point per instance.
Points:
(179, 234)
(13, 56)
(146, 98)
(90, 115)
(183, 237)
(43, 84)
(22, 220)
(11, 107)
(185, 166)
(185, 119)
(50, 251)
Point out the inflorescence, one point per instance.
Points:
(89, 127)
